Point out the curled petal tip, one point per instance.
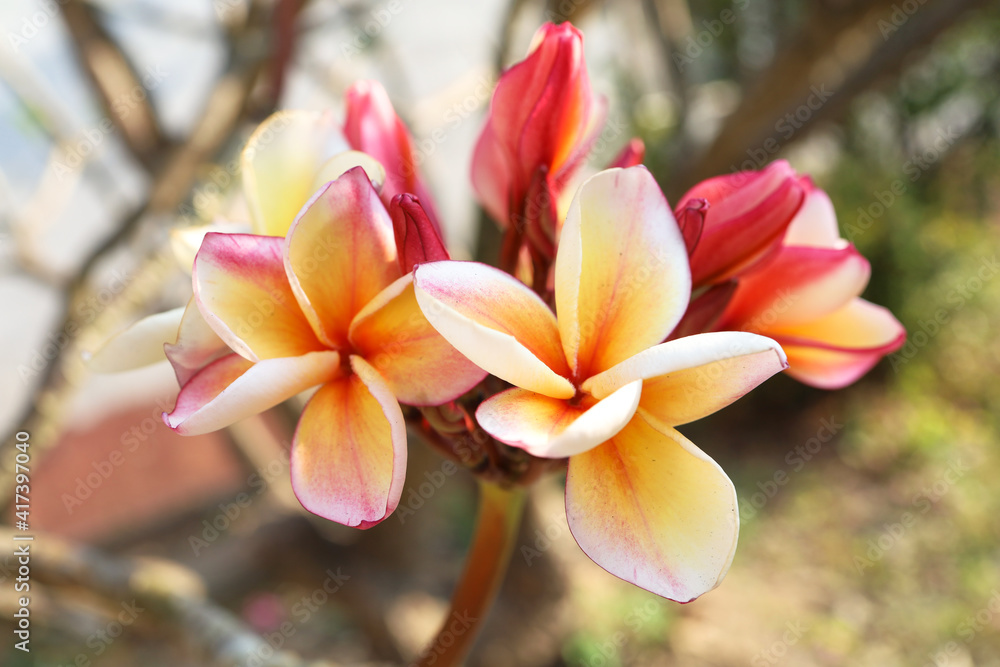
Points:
(691, 220)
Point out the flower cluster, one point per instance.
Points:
(611, 320)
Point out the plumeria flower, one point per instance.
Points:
(287, 158)
(542, 121)
(807, 298)
(594, 383)
(327, 305)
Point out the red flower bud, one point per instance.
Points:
(750, 211)
(417, 239)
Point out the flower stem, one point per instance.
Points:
(500, 511)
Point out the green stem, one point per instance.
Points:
(497, 524)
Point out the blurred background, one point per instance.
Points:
(870, 531)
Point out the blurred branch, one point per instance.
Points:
(669, 21)
(842, 50)
(285, 15)
(116, 82)
(173, 178)
(173, 593)
(514, 8)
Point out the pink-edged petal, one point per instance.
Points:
(651, 508)
(815, 224)
(497, 322)
(417, 363)
(349, 453)
(621, 278)
(186, 241)
(280, 162)
(244, 295)
(693, 377)
(800, 284)
(553, 428)
(196, 346)
(141, 344)
(340, 253)
(749, 213)
(232, 388)
(836, 350)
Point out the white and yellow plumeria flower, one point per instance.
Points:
(595, 385)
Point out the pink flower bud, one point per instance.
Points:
(543, 115)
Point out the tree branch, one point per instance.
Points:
(227, 105)
(841, 51)
(175, 594)
(116, 82)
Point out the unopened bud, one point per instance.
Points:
(417, 240)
